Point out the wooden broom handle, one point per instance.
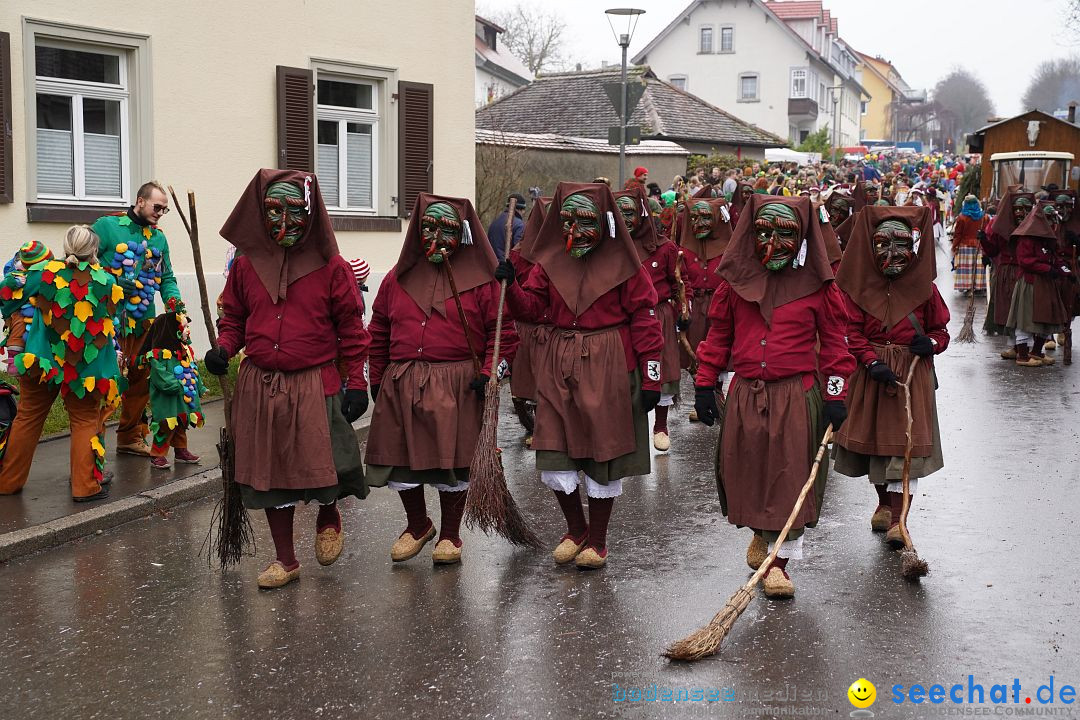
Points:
(461, 314)
(905, 477)
(508, 238)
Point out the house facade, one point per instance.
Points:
(99, 97)
(498, 72)
(779, 65)
(888, 89)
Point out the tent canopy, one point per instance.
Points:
(789, 155)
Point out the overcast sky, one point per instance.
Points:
(924, 39)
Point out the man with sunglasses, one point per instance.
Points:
(135, 250)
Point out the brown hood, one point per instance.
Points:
(736, 199)
(473, 264)
(1003, 220)
(890, 301)
(645, 238)
(279, 267)
(533, 224)
(1074, 221)
(580, 281)
(1036, 224)
(832, 241)
(753, 282)
(858, 196)
(717, 243)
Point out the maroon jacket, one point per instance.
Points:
(864, 328)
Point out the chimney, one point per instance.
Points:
(1072, 112)
(579, 67)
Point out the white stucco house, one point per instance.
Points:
(498, 72)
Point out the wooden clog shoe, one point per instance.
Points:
(407, 546)
(275, 575)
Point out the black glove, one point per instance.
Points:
(682, 325)
(354, 404)
(981, 235)
(922, 346)
(987, 260)
(882, 373)
(505, 271)
(217, 361)
(705, 405)
(835, 413)
(478, 384)
(375, 392)
(649, 399)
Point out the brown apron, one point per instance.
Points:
(583, 402)
(1048, 305)
(280, 432)
(1004, 284)
(426, 416)
(522, 377)
(699, 324)
(877, 423)
(669, 355)
(767, 443)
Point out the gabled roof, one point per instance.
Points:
(503, 64)
(798, 10)
(1033, 112)
(552, 141)
(574, 104)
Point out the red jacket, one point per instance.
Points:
(318, 322)
(400, 331)
(1034, 256)
(786, 347)
(630, 306)
(660, 267)
(864, 329)
(702, 276)
(997, 247)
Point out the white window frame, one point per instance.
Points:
(721, 43)
(701, 39)
(757, 87)
(684, 79)
(384, 164)
(133, 91)
(343, 116)
(822, 95)
(803, 74)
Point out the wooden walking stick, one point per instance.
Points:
(707, 640)
(912, 567)
(489, 505)
(461, 315)
(234, 536)
(684, 315)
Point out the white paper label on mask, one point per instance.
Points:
(800, 259)
(644, 209)
(916, 240)
(652, 369)
(467, 235)
(824, 214)
(611, 223)
(725, 213)
(835, 386)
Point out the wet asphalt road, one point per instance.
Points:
(132, 624)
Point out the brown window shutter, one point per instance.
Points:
(296, 118)
(415, 124)
(7, 176)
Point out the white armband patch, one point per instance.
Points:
(652, 370)
(503, 368)
(834, 386)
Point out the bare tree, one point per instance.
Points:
(499, 170)
(1054, 84)
(535, 36)
(963, 105)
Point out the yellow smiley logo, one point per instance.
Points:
(862, 693)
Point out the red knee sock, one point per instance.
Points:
(281, 530)
(570, 504)
(328, 517)
(453, 507)
(415, 511)
(599, 515)
(779, 562)
(882, 496)
(896, 504)
(660, 423)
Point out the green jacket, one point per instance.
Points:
(70, 342)
(152, 269)
(169, 405)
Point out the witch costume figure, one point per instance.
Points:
(599, 374)
(998, 245)
(429, 368)
(774, 307)
(659, 256)
(895, 314)
(292, 305)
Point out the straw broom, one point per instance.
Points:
(234, 536)
(489, 506)
(707, 640)
(967, 332)
(911, 566)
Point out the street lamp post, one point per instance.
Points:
(631, 15)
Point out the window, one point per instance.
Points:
(347, 142)
(706, 45)
(81, 122)
(727, 39)
(678, 81)
(798, 82)
(821, 95)
(862, 107)
(748, 87)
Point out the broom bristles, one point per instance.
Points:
(707, 640)
(490, 507)
(912, 567)
(967, 332)
(234, 537)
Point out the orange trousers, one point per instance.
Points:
(85, 415)
(133, 427)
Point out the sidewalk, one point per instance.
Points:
(43, 515)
